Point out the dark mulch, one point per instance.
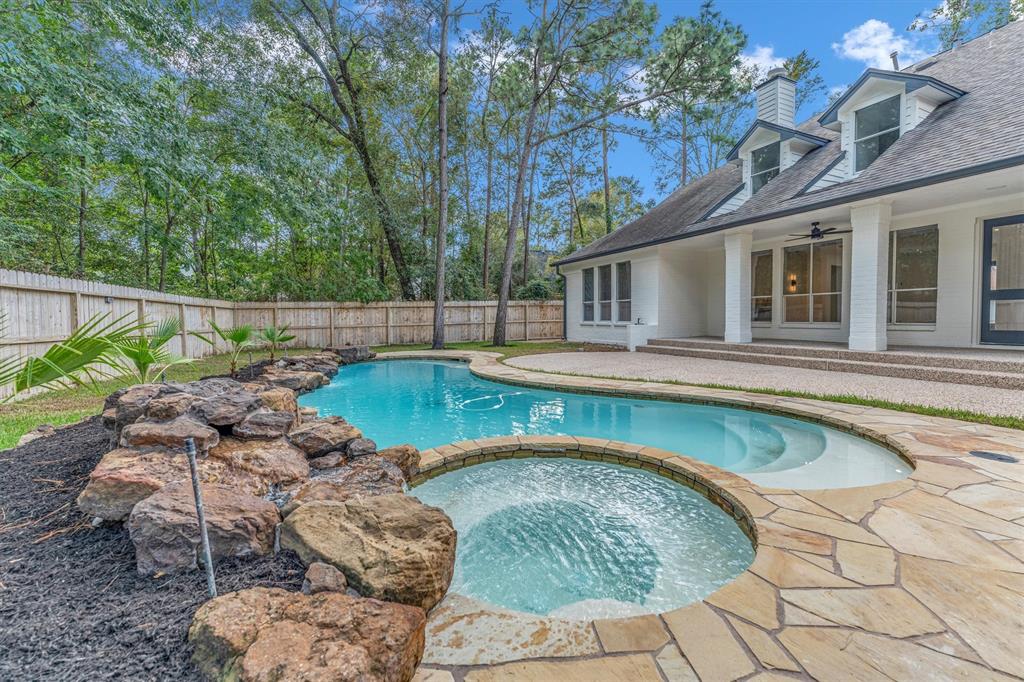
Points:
(71, 605)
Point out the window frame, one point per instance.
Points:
(618, 291)
(588, 304)
(770, 296)
(811, 293)
(898, 128)
(775, 170)
(604, 271)
(892, 293)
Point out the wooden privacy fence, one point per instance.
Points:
(44, 309)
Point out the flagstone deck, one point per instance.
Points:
(910, 580)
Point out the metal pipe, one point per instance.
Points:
(211, 582)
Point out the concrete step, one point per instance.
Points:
(891, 357)
(970, 377)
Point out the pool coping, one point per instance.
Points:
(912, 575)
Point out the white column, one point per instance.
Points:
(737, 287)
(869, 276)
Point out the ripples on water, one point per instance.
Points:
(575, 538)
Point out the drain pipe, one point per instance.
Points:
(211, 582)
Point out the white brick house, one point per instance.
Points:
(912, 184)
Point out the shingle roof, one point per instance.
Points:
(983, 130)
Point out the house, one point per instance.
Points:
(896, 217)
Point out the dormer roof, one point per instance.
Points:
(936, 89)
(811, 141)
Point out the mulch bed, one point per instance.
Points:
(71, 604)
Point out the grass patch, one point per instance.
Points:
(68, 406)
(847, 399)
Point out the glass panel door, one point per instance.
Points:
(1002, 281)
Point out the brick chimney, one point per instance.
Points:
(776, 99)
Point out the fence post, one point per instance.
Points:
(387, 323)
(330, 326)
(184, 330)
(526, 322)
(76, 308)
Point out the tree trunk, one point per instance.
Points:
(487, 215)
(82, 200)
(607, 183)
(440, 242)
(168, 226)
(501, 314)
(529, 217)
(145, 234)
(683, 160)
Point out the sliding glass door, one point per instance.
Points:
(1002, 281)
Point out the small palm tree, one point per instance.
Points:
(276, 336)
(80, 360)
(145, 355)
(239, 338)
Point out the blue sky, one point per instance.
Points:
(847, 36)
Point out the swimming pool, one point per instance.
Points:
(433, 402)
(578, 539)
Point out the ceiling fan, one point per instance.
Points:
(817, 233)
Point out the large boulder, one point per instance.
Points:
(165, 532)
(360, 447)
(266, 634)
(322, 436)
(275, 462)
(390, 547)
(321, 577)
(300, 381)
(350, 354)
(264, 423)
(405, 457)
(169, 435)
(210, 387)
(226, 408)
(279, 399)
(168, 407)
(131, 403)
(363, 477)
(125, 477)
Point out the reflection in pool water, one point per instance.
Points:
(580, 539)
(429, 403)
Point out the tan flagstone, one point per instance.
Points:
(834, 654)
(1012, 485)
(944, 509)
(432, 675)
(794, 615)
(755, 504)
(783, 569)
(769, 677)
(818, 560)
(866, 564)
(1014, 547)
(749, 597)
(885, 610)
(464, 631)
(984, 607)
(992, 499)
(920, 536)
(764, 647)
(773, 534)
(708, 644)
(818, 524)
(638, 667)
(801, 504)
(855, 503)
(1013, 472)
(933, 489)
(674, 667)
(948, 644)
(946, 475)
(642, 633)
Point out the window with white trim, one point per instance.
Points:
(764, 165)
(588, 295)
(913, 275)
(604, 291)
(623, 291)
(812, 285)
(761, 286)
(876, 127)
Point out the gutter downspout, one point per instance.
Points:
(565, 316)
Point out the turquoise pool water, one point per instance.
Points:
(429, 403)
(578, 539)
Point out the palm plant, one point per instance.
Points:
(145, 356)
(80, 360)
(238, 338)
(276, 336)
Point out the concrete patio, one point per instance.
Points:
(917, 579)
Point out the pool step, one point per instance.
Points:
(1009, 376)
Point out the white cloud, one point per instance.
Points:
(873, 41)
(762, 58)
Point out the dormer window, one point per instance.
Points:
(764, 165)
(877, 126)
